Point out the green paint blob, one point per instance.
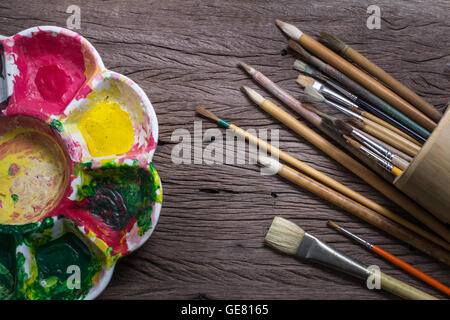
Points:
(7, 266)
(15, 197)
(54, 261)
(116, 194)
(56, 125)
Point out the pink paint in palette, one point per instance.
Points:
(77, 179)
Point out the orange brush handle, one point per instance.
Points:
(409, 268)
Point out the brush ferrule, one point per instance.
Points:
(382, 162)
(224, 123)
(343, 110)
(315, 250)
(329, 93)
(344, 92)
(373, 145)
(356, 238)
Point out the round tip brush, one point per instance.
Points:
(287, 237)
(389, 257)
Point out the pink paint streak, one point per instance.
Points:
(51, 73)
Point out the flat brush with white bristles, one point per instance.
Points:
(289, 238)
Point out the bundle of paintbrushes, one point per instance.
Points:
(382, 124)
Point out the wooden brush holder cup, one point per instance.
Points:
(427, 179)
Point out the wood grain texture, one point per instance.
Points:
(209, 241)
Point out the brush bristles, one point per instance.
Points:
(333, 225)
(343, 127)
(207, 114)
(247, 68)
(300, 65)
(292, 31)
(305, 81)
(333, 41)
(253, 95)
(356, 123)
(298, 48)
(284, 236)
(355, 144)
(314, 94)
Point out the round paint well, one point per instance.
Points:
(34, 170)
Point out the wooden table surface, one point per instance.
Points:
(208, 243)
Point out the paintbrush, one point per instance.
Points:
(287, 237)
(348, 130)
(389, 257)
(319, 120)
(354, 208)
(334, 152)
(388, 166)
(325, 91)
(323, 178)
(356, 74)
(369, 126)
(402, 145)
(359, 90)
(339, 46)
(357, 104)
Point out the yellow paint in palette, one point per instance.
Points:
(32, 175)
(107, 129)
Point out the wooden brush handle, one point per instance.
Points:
(336, 185)
(403, 290)
(394, 140)
(396, 86)
(399, 162)
(389, 126)
(356, 167)
(365, 213)
(365, 80)
(410, 269)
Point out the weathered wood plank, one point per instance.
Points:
(209, 242)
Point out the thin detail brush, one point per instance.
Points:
(400, 144)
(289, 238)
(347, 130)
(370, 126)
(341, 47)
(334, 152)
(327, 92)
(369, 110)
(317, 174)
(385, 164)
(359, 90)
(391, 258)
(356, 74)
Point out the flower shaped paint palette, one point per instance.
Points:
(78, 189)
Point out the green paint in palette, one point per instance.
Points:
(55, 262)
(7, 266)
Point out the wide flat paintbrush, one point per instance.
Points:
(323, 178)
(389, 257)
(287, 237)
(356, 74)
(334, 152)
(359, 90)
(341, 47)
